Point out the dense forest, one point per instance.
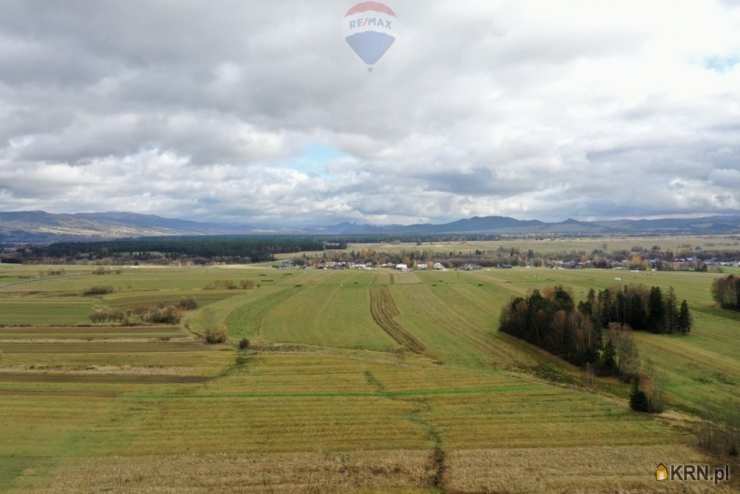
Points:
(549, 320)
(726, 292)
(195, 249)
(596, 332)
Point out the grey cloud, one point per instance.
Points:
(190, 109)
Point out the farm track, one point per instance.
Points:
(384, 312)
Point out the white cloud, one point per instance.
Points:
(526, 108)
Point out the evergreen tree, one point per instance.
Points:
(656, 310)
(608, 362)
(671, 312)
(637, 317)
(562, 299)
(591, 297)
(638, 398)
(621, 308)
(684, 318)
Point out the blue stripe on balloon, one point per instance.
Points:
(370, 45)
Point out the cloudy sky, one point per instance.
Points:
(259, 112)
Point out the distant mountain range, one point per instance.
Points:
(43, 227)
(503, 225)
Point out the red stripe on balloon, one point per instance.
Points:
(375, 6)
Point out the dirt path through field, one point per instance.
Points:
(384, 312)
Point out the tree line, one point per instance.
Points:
(224, 248)
(641, 308)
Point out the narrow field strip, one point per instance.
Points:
(68, 377)
(94, 330)
(247, 320)
(338, 394)
(51, 393)
(367, 471)
(104, 347)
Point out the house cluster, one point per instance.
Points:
(654, 264)
(419, 266)
(345, 265)
(403, 267)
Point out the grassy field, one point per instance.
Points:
(701, 371)
(355, 381)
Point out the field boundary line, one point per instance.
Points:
(437, 461)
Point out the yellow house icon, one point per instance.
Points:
(661, 472)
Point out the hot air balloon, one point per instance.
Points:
(369, 29)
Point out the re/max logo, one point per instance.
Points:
(694, 472)
(370, 21)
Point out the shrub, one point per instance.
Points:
(639, 401)
(627, 358)
(230, 285)
(106, 315)
(103, 271)
(726, 292)
(162, 315)
(719, 439)
(243, 344)
(221, 285)
(214, 331)
(214, 336)
(645, 396)
(98, 290)
(723, 436)
(188, 303)
(651, 385)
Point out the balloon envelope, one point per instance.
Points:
(369, 29)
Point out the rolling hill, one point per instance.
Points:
(43, 227)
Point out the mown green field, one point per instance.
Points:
(355, 381)
(700, 372)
